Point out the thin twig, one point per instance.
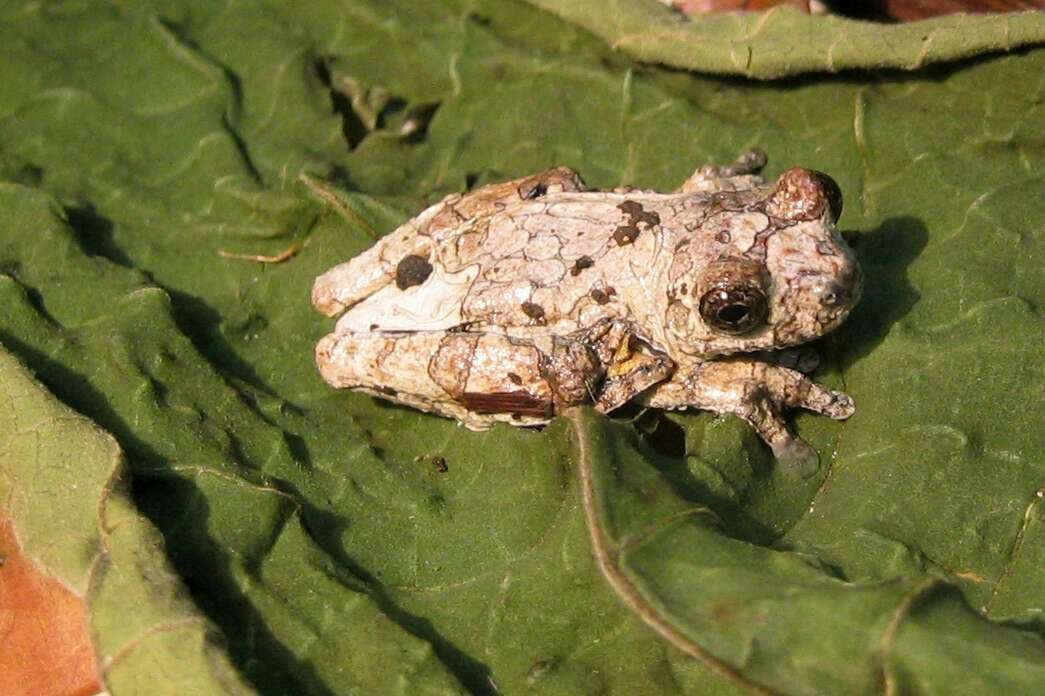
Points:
(888, 638)
(607, 558)
(290, 252)
(322, 191)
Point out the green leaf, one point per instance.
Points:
(786, 41)
(251, 543)
(313, 527)
(61, 479)
(774, 619)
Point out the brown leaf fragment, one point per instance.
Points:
(45, 643)
(911, 10)
(691, 7)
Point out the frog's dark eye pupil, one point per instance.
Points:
(733, 314)
(738, 309)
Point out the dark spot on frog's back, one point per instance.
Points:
(532, 310)
(519, 402)
(580, 264)
(636, 215)
(625, 234)
(412, 270)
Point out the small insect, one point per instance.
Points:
(517, 300)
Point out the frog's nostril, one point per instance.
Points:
(834, 296)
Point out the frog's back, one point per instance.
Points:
(572, 258)
(562, 261)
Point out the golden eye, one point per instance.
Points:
(736, 309)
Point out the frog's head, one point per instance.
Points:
(776, 274)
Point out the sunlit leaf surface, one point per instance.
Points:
(315, 529)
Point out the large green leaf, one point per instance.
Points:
(780, 620)
(785, 41)
(313, 527)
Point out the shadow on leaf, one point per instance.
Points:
(885, 254)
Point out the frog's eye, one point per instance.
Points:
(736, 309)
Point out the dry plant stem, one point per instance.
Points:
(321, 190)
(282, 256)
(607, 556)
(888, 639)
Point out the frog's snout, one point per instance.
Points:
(804, 194)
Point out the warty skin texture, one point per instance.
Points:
(517, 300)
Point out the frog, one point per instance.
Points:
(519, 300)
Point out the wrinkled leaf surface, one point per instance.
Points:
(315, 530)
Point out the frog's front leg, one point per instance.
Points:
(477, 378)
(757, 392)
(632, 364)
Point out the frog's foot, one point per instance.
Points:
(757, 392)
(631, 376)
(742, 174)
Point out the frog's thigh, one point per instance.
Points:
(477, 378)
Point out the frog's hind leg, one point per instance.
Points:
(477, 378)
(404, 256)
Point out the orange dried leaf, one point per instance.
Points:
(711, 6)
(47, 648)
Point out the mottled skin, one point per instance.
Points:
(517, 300)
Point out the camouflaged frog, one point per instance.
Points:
(520, 299)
